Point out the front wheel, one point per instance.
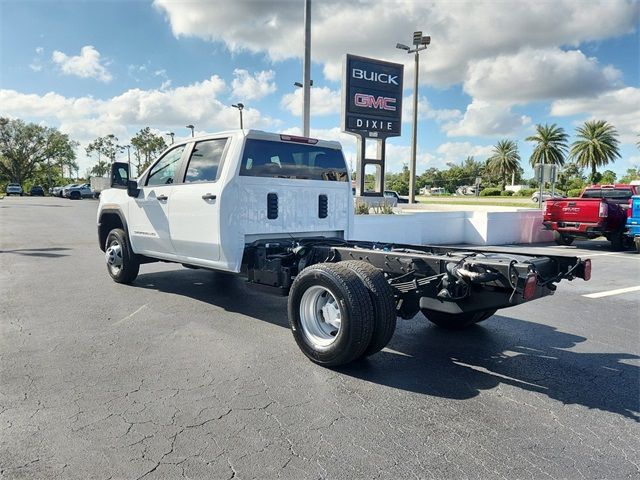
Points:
(122, 264)
(561, 239)
(330, 314)
(456, 321)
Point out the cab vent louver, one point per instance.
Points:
(323, 206)
(272, 206)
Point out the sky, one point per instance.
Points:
(493, 70)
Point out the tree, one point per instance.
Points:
(633, 173)
(597, 146)
(107, 146)
(100, 169)
(551, 145)
(146, 147)
(571, 177)
(26, 147)
(608, 177)
(505, 160)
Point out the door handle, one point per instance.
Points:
(161, 198)
(208, 196)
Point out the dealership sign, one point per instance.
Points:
(372, 97)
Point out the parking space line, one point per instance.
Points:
(608, 293)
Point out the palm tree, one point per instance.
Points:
(597, 145)
(505, 160)
(551, 145)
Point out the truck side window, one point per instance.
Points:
(204, 164)
(164, 172)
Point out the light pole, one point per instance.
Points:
(306, 69)
(171, 134)
(128, 147)
(420, 43)
(240, 107)
(190, 127)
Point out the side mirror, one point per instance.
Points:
(119, 175)
(132, 188)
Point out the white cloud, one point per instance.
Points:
(426, 111)
(324, 101)
(85, 65)
(487, 120)
(461, 31)
(457, 152)
(620, 107)
(253, 87)
(85, 118)
(531, 75)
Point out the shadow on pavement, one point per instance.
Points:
(224, 290)
(505, 350)
(424, 359)
(39, 252)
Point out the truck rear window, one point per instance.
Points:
(264, 158)
(617, 194)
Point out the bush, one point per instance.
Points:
(526, 192)
(362, 208)
(506, 193)
(490, 192)
(574, 192)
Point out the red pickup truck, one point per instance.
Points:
(601, 210)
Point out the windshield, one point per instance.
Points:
(263, 158)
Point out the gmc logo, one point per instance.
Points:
(378, 103)
(374, 76)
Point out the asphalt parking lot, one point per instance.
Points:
(188, 373)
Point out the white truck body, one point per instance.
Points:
(213, 232)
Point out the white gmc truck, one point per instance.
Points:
(278, 209)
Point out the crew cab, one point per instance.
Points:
(601, 210)
(278, 209)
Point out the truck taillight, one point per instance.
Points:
(629, 208)
(586, 269)
(604, 210)
(547, 208)
(294, 138)
(530, 286)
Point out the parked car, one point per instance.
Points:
(36, 191)
(632, 230)
(57, 191)
(14, 189)
(65, 190)
(546, 196)
(394, 194)
(79, 191)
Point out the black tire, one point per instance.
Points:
(122, 264)
(617, 240)
(456, 321)
(562, 239)
(383, 301)
(75, 196)
(341, 289)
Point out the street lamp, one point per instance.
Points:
(191, 127)
(420, 42)
(128, 147)
(239, 106)
(171, 134)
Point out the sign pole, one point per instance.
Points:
(306, 69)
(414, 133)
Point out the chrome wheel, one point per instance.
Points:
(113, 256)
(320, 316)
